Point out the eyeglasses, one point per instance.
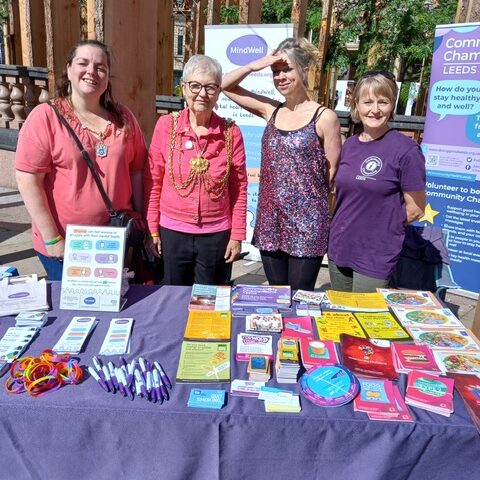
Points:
(383, 73)
(210, 88)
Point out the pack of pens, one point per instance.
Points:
(137, 378)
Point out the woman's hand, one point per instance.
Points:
(267, 61)
(56, 250)
(232, 251)
(154, 246)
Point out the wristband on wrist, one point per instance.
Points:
(53, 241)
(154, 235)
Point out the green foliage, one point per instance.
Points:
(229, 15)
(3, 11)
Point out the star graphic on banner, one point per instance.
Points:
(429, 214)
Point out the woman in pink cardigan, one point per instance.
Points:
(196, 184)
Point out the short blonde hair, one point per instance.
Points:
(380, 84)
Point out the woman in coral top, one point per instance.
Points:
(54, 179)
(196, 186)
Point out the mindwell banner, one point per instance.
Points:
(234, 46)
(451, 144)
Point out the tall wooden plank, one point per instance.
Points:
(199, 14)
(299, 17)
(62, 25)
(32, 33)
(213, 12)
(95, 20)
(15, 32)
(131, 30)
(324, 75)
(250, 12)
(165, 48)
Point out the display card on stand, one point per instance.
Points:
(93, 268)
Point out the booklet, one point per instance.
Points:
(206, 398)
(376, 396)
(446, 338)
(409, 298)
(261, 296)
(402, 414)
(468, 386)
(204, 362)
(316, 352)
(408, 357)
(381, 325)
(430, 392)
(354, 302)
(251, 344)
(297, 327)
(14, 342)
(332, 324)
(208, 325)
(210, 297)
(464, 363)
(369, 357)
(427, 317)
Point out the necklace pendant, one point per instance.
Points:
(199, 164)
(101, 149)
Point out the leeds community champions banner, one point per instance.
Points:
(234, 46)
(451, 145)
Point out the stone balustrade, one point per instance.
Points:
(21, 89)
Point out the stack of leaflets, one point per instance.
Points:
(279, 400)
(305, 296)
(408, 357)
(426, 317)
(287, 364)
(381, 325)
(31, 319)
(381, 400)
(246, 388)
(459, 339)
(210, 297)
(332, 324)
(316, 352)
(259, 369)
(19, 294)
(264, 323)
(465, 363)
(274, 296)
(75, 335)
(117, 339)
(208, 325)
(329, 386)
(409, 298)
(249, 344)
(430, 392)
(206, 398)
(369, 357)
(468, 386)
(354, 302)
(14, 343)
(308, 309)
(298, 327)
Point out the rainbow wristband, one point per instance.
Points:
(53, 241)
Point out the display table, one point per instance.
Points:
(81, 432)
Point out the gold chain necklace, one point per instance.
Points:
(101, 148)
(199, 166)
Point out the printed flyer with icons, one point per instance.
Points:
(92, 268)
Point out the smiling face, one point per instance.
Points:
(374, 110)
(89, 72)
(201, 100)
(287, 78)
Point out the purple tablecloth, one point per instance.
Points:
(81, 432)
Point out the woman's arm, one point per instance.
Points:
(257, 104)
(32, 190)
(415, 205)
(328, 127)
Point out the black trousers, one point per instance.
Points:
(190, 258)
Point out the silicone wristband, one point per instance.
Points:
(53, 241)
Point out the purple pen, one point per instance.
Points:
(111, 369)
(156, 383)
(116, 375)
(99, 367)
(163, 375)
(123, 381)
(94, 374)
(139, 379)
(131, 369)
(124, 362)
(108, 380)
(138, 390)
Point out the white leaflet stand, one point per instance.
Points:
(93, 268)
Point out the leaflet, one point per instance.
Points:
(75, 335)
(117, 340)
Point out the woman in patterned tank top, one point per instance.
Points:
(300, 150)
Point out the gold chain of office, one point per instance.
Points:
(199, 166)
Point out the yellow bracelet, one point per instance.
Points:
(53, 241)
(154, 235)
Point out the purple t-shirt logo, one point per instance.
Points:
(371, 166)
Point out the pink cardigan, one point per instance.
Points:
(160, 195)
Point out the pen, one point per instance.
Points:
(98, 366)
(111, 369)
(108, 380)
(120, 387)
(123, 382)
(156, 383)
(163, 375)
(131, 369)
(94, 374)
(124, 362)
(139, 379)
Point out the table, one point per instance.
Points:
(81, 432)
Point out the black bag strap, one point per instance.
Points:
(87, 159)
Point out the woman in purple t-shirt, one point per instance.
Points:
(380, 188)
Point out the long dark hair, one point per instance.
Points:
(106, 100)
